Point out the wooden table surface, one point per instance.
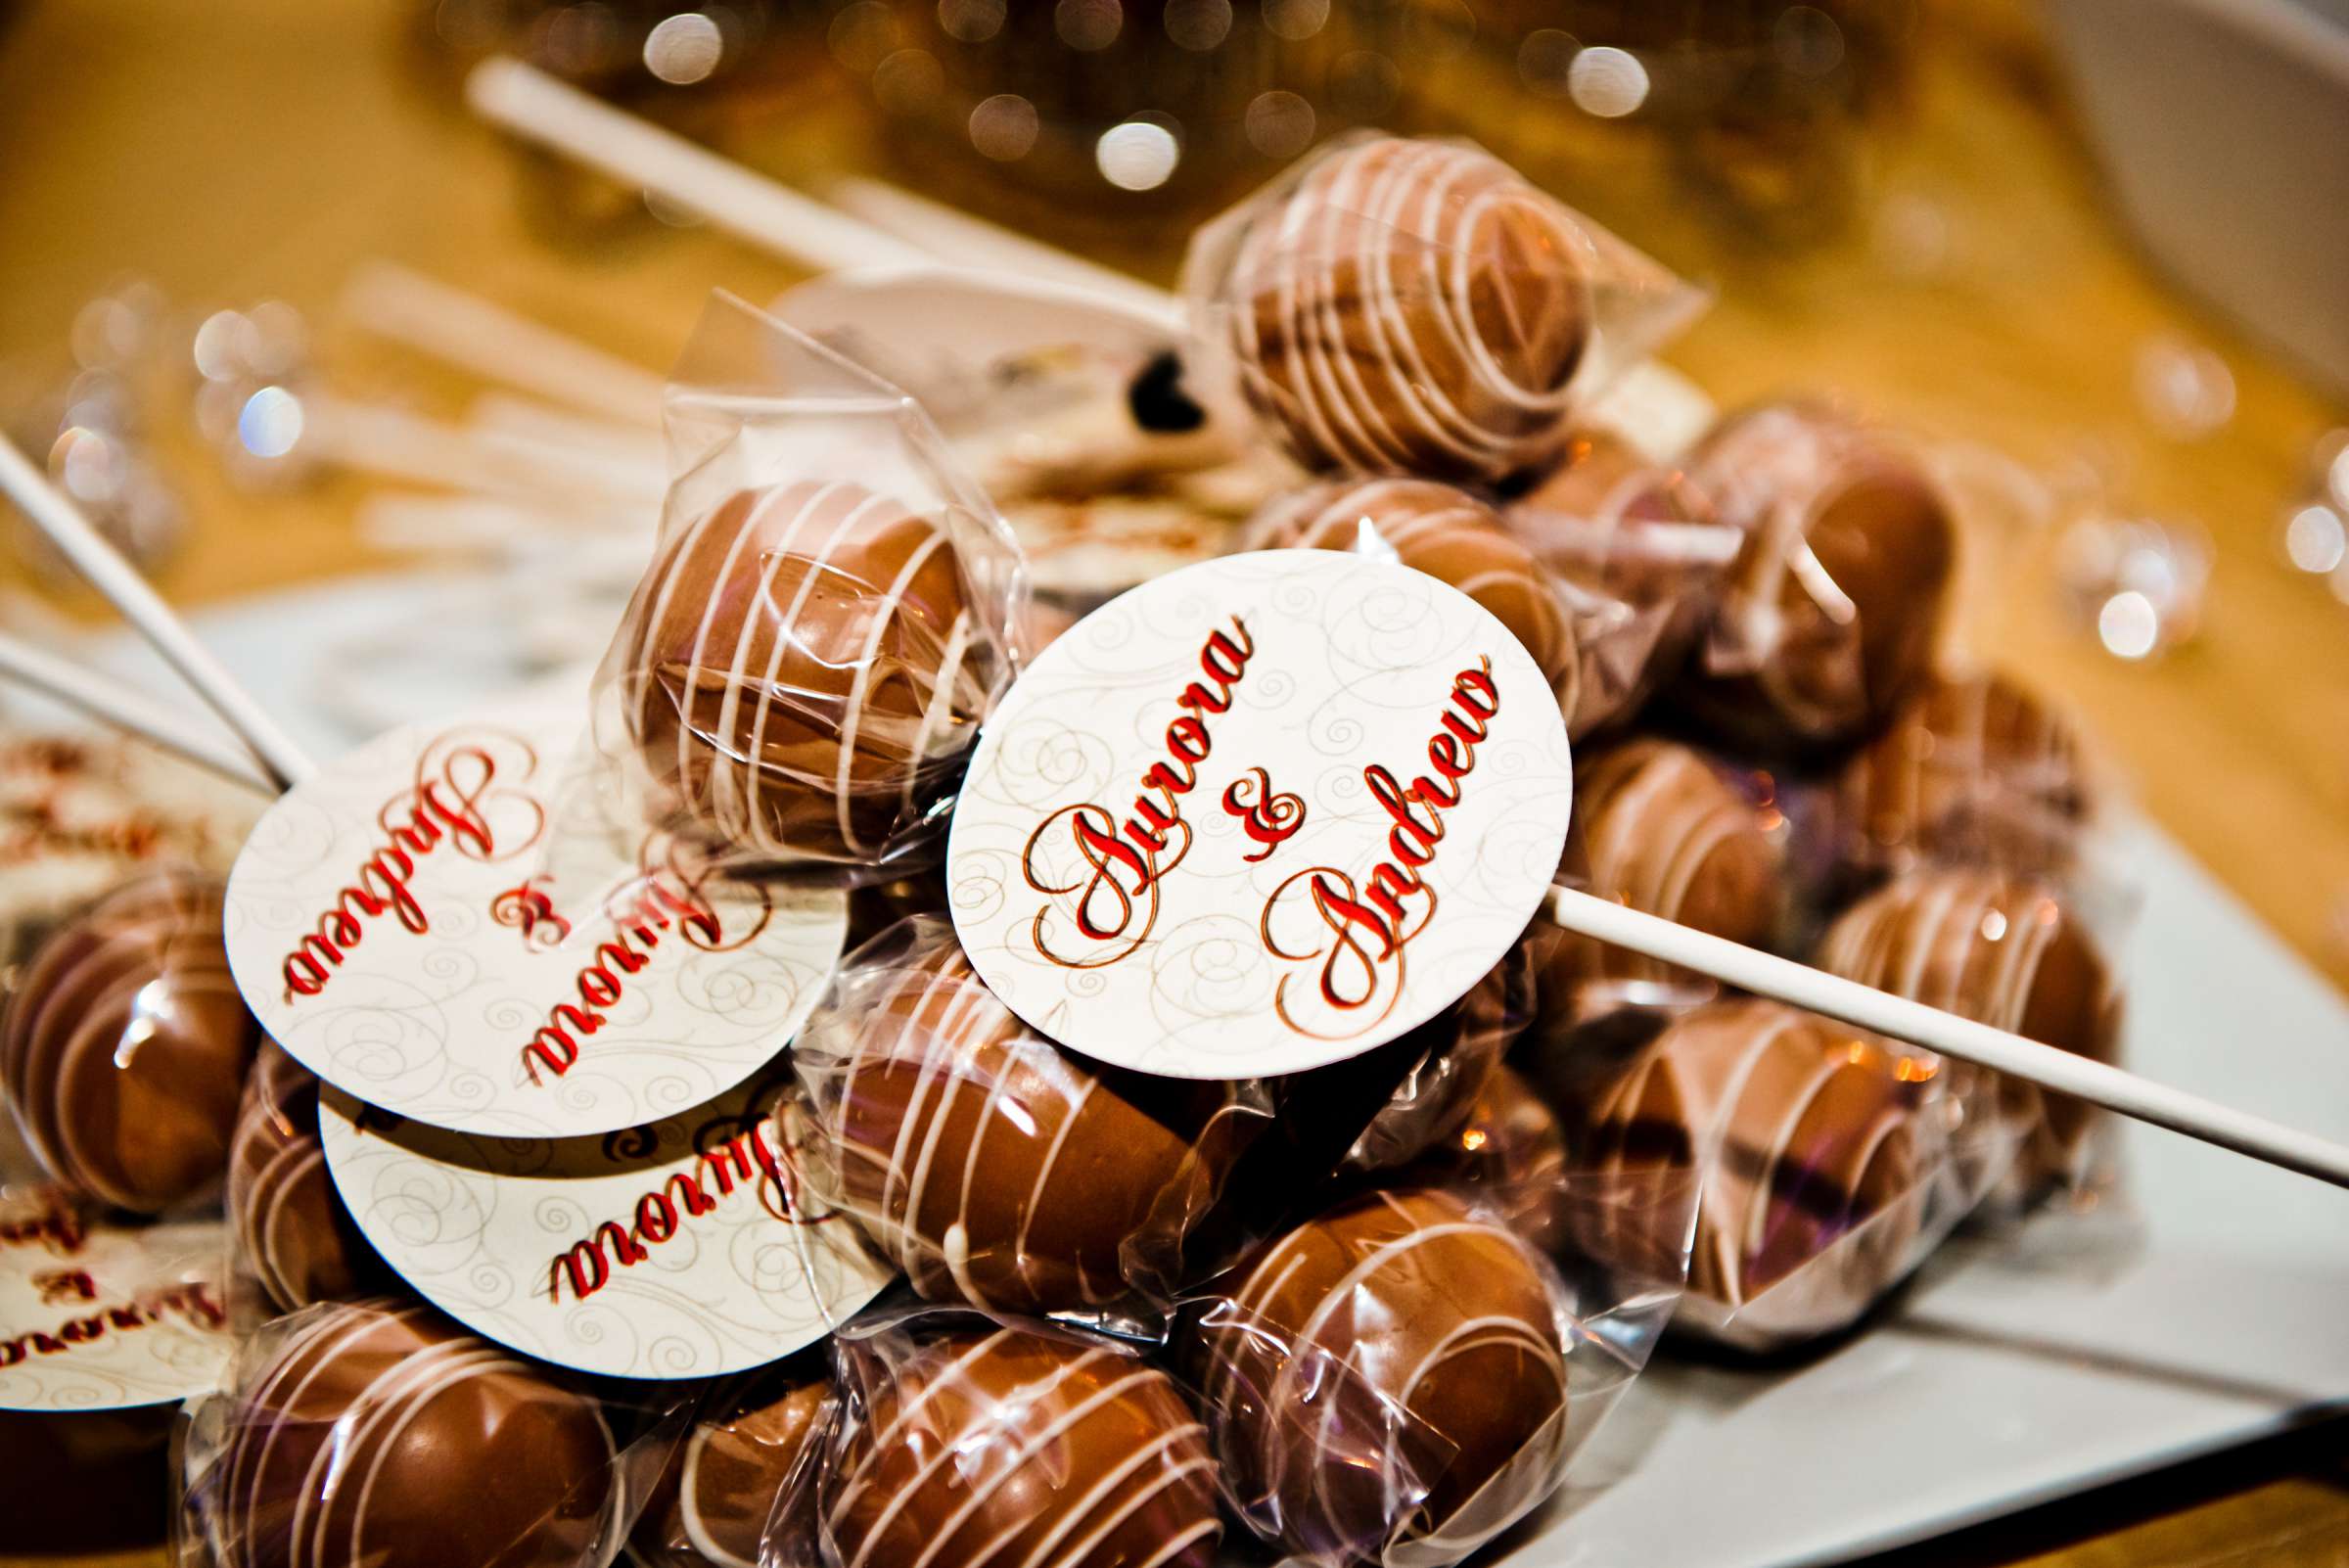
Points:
(261, 148)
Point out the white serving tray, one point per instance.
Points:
(2007, 1376)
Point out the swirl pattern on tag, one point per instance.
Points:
(683, 1248)
(443, 925)
(1260, 815)
(96, 1315)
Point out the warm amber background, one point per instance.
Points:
(249, 148)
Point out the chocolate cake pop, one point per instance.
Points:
(293, 1234)
(989, 1165)
(381, 1434)
(800, 672)
(126, 1046)
(1509, 1157)
(1999, 950)
(1657, 827)
(1800, 1131)
(1406, 306)
(1640, 543)
(990, 1446)
(1831, 612)
(1972, 769)
(1447, 533)
(1390, 1374)
(756, 1437)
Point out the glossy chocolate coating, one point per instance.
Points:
(1411, 307)
(381, 1434)
(1800, 1131)
(292, 1234)
(798, 673)
(990, 1446)
(720, 1493)
(1658, 827)
(1389, 1372)
(992, 1166)
(2005, 951)
(1833, 609)
(1447, 533)
(1972, 769)
(126, 1046)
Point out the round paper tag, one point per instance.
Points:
(680, 1249)
(95, 1316)
(1260, 815)
(442, 923)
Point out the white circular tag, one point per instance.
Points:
(1260, 815)
(681, 1248)
(96, 1315)
(418, 925)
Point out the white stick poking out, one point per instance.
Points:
(1800, 985)
(104, 568)
(540, 109)
(126, 708)
(495, 344)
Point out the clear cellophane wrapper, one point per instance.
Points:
(1597, 646)
(994, 1166)
(831, 609)
(739, 1489)
(1414, 306)
(1826, 1164)
(1642, 561)
(1404, 1376)
(1836, 605)
(364, 1433)
(1448, 1062)
(964, 1432)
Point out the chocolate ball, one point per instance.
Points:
(990, 1445)
(126, 1046)
(2002, 951)
(800, 672)
(1446, 1064)
(292, 1234)
(1659, 828)
(1831, 613)
(1447, 533)
(758, 1437)
(382, 1434)
(1800, 1132)
(1409, 306)
(1388, 1375)
(993, 1167)
(1972, 769)
(1644, 560)
(1508, 1157)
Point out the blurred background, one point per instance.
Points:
(2100, 242)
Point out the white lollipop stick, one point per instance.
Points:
(951, 234)
(102, 566)
(470, 333)
(539, 108)
(126, 708)
(1800, 985)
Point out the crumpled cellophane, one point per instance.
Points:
(1391, 306)
(830, 610)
